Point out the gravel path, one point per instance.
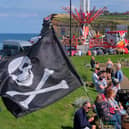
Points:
(125, 83)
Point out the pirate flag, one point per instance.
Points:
(42, 76)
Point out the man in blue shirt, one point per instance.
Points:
(119, 73)
(81, 120)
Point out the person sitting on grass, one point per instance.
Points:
(81, 120)
(114, 107)
(101, 84)
(95, 77)
(104, 111)
(104, 78)
(117, 107)
(116, 84)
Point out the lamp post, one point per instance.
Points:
(70, 26)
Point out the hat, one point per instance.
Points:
(115, 81)
(97, 68)
(99, 73)
(103, 71)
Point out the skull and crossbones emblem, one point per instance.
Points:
(25, 78)
(20, 71)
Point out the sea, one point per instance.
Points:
(15, 36)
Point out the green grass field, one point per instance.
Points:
(118, 19)
(122, 19)
(60, 114)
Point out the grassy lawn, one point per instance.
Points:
(123, 19)
(85, 72)
(57, 116)
(126, 72)
(60, 114)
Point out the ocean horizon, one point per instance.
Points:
(15, 36)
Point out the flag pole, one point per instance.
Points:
(70, 27)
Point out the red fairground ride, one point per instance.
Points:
(112, 39)
(85, 18)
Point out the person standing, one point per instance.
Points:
(92, 62)
(119, 73)
(109, 66)
(97, 66)
(101, 85)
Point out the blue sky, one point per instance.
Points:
(25, 16)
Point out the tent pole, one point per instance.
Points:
(70, 28)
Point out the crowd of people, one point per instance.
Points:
(107, 81)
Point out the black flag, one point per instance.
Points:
(39, 78)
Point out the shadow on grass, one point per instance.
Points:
(93, 89)
(66, 127)
(84, 77)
